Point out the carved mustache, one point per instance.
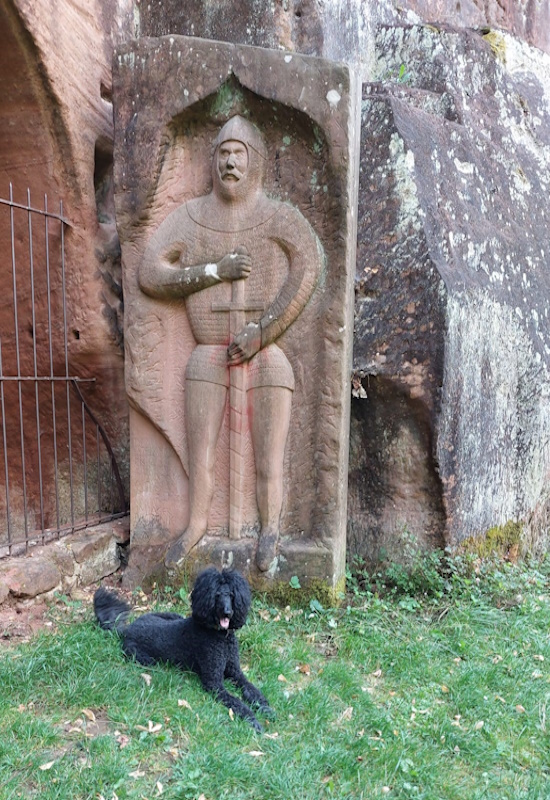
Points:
(233, 172)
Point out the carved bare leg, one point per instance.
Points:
(204, 409)
(270, 419)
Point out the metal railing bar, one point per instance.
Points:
(44, 213)
(35, 364)
(66, 346)
(6, 470)
(98, 466)
(18, 360)
(53, 533)
(85, 461)
(81, 514)
(50, 345)
(54, 378)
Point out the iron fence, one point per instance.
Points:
(58, 472)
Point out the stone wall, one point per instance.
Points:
(449, 430)
(452, 348)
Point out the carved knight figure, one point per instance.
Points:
(245, 265)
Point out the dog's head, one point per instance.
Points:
(220, 600)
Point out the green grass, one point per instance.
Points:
(395, 694)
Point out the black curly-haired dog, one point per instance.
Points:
(205, 642)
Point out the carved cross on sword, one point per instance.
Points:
(237, 309)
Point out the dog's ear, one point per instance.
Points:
(240, 592)
(203, 596)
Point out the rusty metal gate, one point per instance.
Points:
(58, 472)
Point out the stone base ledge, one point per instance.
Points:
(309, 559)
(79, 559)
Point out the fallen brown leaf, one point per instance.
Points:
(377, 673)
(151, 727)
(346, 715)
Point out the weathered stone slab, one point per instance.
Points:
(451, 420)
(77, 559)
(292, 117)
(95, 553)
(29, 577)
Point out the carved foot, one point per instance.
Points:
(179, 549)
(267, 550)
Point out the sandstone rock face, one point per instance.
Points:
(56, 116)
(337, 29)
(452, 346)
(526, 19)
(342, 30)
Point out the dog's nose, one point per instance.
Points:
(227, 608)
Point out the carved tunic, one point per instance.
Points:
(286, 257)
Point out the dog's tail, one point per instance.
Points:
(111, 612)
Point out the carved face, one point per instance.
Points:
(232, 161)
(238, 163)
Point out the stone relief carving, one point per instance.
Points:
(245, 265)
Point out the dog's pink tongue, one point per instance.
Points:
(224, 623)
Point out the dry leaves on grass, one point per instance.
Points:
(121, 739)
(152, 727)
(345, 716)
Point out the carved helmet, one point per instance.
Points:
(241, 130)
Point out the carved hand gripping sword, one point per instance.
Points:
(237, 309)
